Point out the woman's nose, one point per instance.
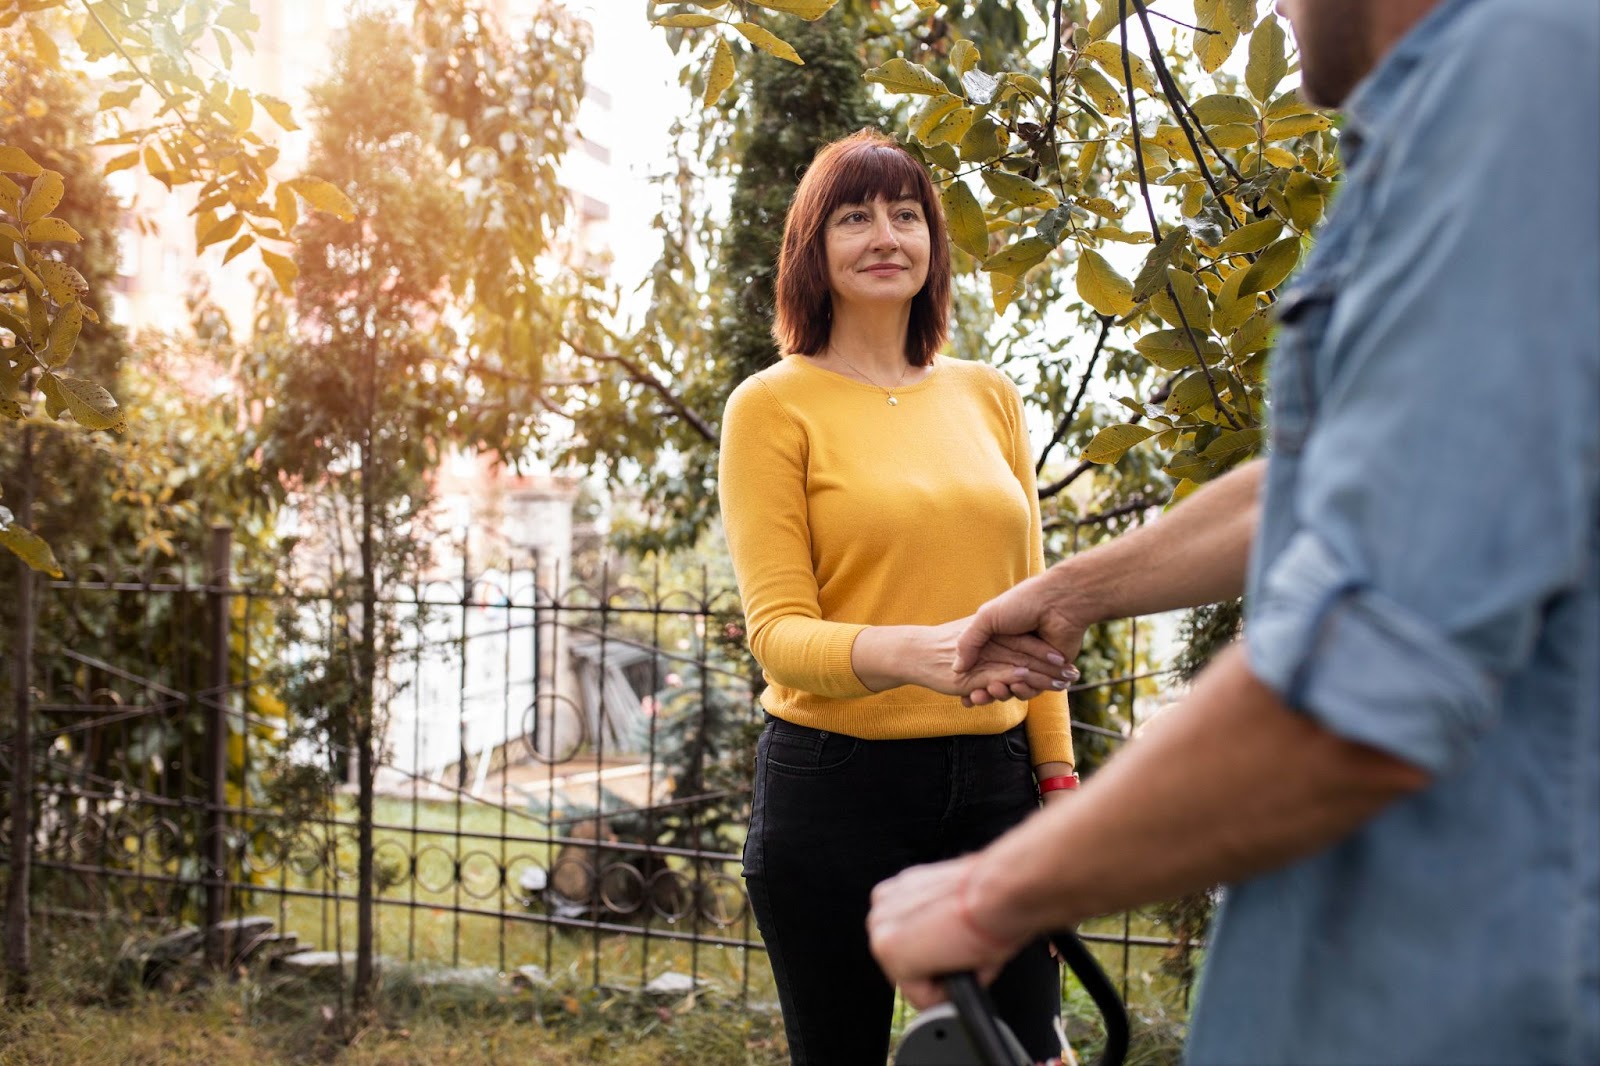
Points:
(883, 235)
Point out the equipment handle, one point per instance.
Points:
(977, 1012)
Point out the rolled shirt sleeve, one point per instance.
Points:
(1446, 493)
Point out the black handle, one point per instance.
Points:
(977, 1012)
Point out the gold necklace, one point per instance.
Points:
(889, 392)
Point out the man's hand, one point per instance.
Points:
(1040, 606)
(922, 928)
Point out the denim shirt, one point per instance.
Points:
(1426, 577)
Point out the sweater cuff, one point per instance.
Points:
(836, 662)
(1049, 726)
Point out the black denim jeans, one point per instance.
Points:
(833, 815)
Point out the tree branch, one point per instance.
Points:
(650, 381)
(1077, 401)
(1055, 488)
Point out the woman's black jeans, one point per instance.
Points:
(832, 816)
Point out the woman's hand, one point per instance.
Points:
(887, 656)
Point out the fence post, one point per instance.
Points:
(216, 846)
(17, 933)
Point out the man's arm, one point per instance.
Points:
(1226, 785)
(1194, 554)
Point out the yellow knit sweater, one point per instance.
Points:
(843, 512)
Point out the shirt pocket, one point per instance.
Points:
(1302, 315)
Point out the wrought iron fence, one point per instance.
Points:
(563, 769)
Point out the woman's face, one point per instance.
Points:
(877, 251)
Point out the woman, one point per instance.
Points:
(873, 495)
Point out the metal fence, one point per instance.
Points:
(563, 769)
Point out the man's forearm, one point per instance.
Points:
(1194, 554)
(1226, 785)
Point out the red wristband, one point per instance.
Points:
(1054, 784)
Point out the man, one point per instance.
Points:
(1398, 771)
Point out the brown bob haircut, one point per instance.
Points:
(857, 169)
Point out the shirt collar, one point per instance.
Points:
(1369, 104)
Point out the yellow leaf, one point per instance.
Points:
(1251, 238)
(1220, 108)
(1171, 349)
(27, 546)
(113, 98)
(1017, 259)
(122, 162)
(279, 111)
(90, 405)
(64, 334)
(964, 55)
(1018, 190)
(1232, 306)
(931, 113)
(769, 42)
(1002, 289)
(238, 246)
(1213, 48)
(62, 282)
(901, 76)
(323, 196)
(1101, 206)
(1113, 442)
(952, 127)
(719, 75)
(42, 199)
(982, 142)
(1232, 135)
(687, 21)
(1109, 55)
(810, 10)
(1267, 64)
(46, 49)
(221, 231)
(1275, 264)
(1101, 92)
(244, 112)
(1296, 126)
(52, 229)
(1101, 287)
(964, 218)
(283, 269)
(1305, 200)
(287, 211)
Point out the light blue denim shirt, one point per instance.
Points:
(1426, 578)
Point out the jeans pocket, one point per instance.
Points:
(798, 750)
(1015, 742)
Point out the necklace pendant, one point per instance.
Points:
(892, 401)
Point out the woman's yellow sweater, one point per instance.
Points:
(842, 511)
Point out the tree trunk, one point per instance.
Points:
(365, 711)
(18, 960)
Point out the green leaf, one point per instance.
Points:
(810, 10)
(92, 406)
(16, 161)
(280, 111)
(1220, 108)
(902, 76)
(283, 270)
(1189, 466)
(1153, 275)
(1275, 264)
(1101, 287)
(1113, 442)
(1268, 64)
(1018, 190)
(27, 546)
(1305, 200)
(1232, 442)
(1189, 394)
(64, 335)
(1251, 238)
(42, 199)
(1242, 13)
(719, 75)
(1254, 336)
(1019, 257)
(1193, 298)
(964, 218)
(323, 196)
(1232, 307)
(1170, 349)
(769, 42)
(53, 229)
(688, 20)
(981, 142)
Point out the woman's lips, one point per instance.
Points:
(885, 269)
